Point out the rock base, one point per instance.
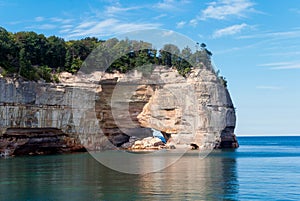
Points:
(37, 141)
(228, 142)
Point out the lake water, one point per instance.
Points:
(263, 168)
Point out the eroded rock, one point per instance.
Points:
(149, 143)
(197, 109)
(37, 141)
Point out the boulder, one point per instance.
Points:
(148, 143)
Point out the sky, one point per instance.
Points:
(255, 44)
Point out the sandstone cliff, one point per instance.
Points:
(101, 110)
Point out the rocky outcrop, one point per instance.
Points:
(149, 143)
(195, 110)
(103, 111)
(37, 141)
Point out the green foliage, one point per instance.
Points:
(76, 64)
(56, 52)
(8, 54)
(186, 53)
(25, 67)
(3, 72)
(170, 55)
(223, 81)
(34, 44)
(44, 72)
(55, 78)
(35, 56)
(68, 61)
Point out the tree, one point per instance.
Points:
(55, 52)
(142, 58)
(4, 44)
(223, 81)
(68, 61)
(186, 53)
(34, 44)
(8, 51)
(45, 73)
(170, 54)
(202, 56)
(25, 68)
(76, 65)
(35, 56)
(203, 45)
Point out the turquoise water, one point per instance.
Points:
(263, 168)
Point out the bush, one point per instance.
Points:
(55, 78)
(223, 81)
(44, 72)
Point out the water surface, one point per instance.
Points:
(263, 168)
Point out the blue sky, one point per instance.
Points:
(255, 44)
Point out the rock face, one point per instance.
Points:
(198, 105)
(103, 110)
(36, 141)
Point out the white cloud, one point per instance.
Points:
(43, 23)
(282, 65)
(61, 20)
(200, 36)
(165, 5)
(180, 24)
(65, 30)
(280, 34)
(287, 67)
(167, 33)
(275, 64)
(193, 22)
(160, 16)
(67, 26)
(47, 26)
(269, 87)
(98, 28)
(86, 25)
(96, 23)
(295, 10)
(16, 22)
(39, 19)
(171, 5)
(231, 30)
(222, 9)
(117, 9)
(238, 48)
(282, 53)
(43, 26)
(108, 27)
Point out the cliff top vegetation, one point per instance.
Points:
(35, 56)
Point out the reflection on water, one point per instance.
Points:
(81, 177)
(212, 178)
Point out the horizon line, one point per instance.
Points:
(270, 135)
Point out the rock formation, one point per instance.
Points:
(36, 141)
(104, 110)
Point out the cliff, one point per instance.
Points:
(103, 110)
